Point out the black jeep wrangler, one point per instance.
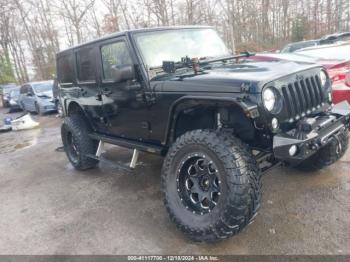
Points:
(179, 93)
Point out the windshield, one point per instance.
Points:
(43, 87)
(172, 45)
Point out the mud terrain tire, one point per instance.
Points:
(77, 143)
(240, 185)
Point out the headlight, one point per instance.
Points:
(323, 78)
(269, 98)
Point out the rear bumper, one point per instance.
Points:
(308, 139)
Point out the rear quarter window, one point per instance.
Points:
(65, 69)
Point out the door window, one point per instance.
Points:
(115, 54)
(86, 64)
(23, 90)
(30, 90)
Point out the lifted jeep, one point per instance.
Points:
(179, 93)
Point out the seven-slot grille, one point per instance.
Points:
(303, 96)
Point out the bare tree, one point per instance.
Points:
(73, 13)
(30, 29)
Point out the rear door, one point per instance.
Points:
(88, 85)
(76, 76)
(30, 101)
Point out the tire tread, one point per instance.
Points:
(244, 180)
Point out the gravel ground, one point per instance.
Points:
(47, 207)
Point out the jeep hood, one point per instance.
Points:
(230, 78)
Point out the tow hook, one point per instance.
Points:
(339, 145)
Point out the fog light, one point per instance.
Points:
(293, 150)
(274, 123)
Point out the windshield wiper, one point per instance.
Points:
(195, 63)
(225, 58)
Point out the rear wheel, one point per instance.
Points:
(77, 143)
(327, 155)
(211, 185)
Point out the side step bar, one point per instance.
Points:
(124, 143)
(132, 144)
(114, 164)
(98, 156)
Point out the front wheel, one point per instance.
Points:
(77, 143)
(327, 155)
(211, 185)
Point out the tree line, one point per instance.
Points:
(33, 31)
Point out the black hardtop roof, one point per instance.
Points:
(141, 30)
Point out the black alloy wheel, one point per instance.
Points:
(198, 184)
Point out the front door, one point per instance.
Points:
(124, 105)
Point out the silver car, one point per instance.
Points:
(37, 97)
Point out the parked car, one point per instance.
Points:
(336, 68)
(179, 93)
(339, 51)
(334, 38)
(325, 40)
(13, 99)
(292, 47)
(37, 97)
(5, 91)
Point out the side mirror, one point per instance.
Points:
(123, 73)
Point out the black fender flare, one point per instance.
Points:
(249, 109)
(70, 102)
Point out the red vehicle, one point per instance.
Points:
(335, 58)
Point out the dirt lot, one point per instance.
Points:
(49, 208)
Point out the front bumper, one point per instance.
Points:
(14, 104)
(47, 107)
(310, 137)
